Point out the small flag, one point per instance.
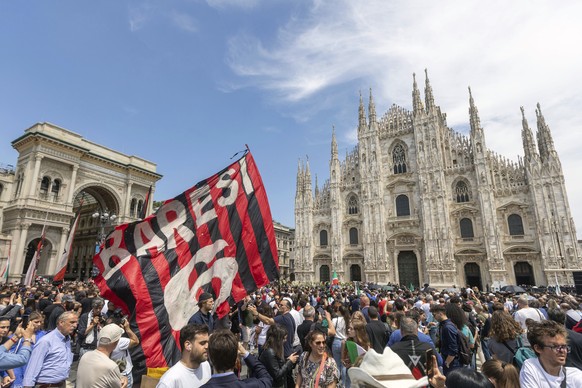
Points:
(335, 279)
(558, 291)
(146, 203)
(64, 259)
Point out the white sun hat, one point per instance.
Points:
(384, 370)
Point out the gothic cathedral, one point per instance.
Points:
(416, 202)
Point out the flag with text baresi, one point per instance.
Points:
(216, 237)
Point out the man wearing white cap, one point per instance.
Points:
(96, 369)
(386, 370)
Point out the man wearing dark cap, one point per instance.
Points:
(204, 314)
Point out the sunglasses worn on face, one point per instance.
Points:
(319, 343)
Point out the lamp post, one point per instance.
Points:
(105, 218)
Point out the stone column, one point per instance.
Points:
(127, 200)
(72, 184)
(32, 183)
(21, 250)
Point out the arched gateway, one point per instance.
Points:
(57, 171)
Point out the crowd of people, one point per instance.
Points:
(287, 336)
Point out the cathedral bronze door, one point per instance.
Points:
(324, 273)
(355, 273)
(408, 269)
(473, 275)
(524, 274)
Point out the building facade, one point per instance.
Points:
(417, 202)
(59, 173)
(284, 237)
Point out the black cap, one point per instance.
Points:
(204, 297)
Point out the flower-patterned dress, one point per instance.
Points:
(308, 371)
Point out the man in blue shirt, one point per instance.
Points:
(51, 359)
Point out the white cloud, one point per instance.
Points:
(222, 4)
(510, 53)
(184, 21)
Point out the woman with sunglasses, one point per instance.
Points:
(316, 369)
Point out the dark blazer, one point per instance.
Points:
(262, 378)
(276, 367)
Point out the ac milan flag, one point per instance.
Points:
(215, 237)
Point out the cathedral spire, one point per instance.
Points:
(362, 115)
(416, 101)
(473, 114)
(545, 140)
(529, 147)
(333, 144)
(316, 187)
(299, 188)
(428, 96)
(371, 109)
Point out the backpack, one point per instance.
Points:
(520, 354)
(465, 353)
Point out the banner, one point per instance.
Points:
(216, 237)
(146, 203)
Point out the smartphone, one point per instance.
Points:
(24, 321)
(429, 362)
(321, 311)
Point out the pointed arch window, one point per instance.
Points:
(353, 205)
(323, 238)
(515, 224)
(399, 159)
(466, 226)
(353, 236)
(462, 193)
(45, 184)
(402, 206)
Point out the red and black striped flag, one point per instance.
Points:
(215, 237)
(143, 212)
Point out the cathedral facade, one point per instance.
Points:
(416, 202)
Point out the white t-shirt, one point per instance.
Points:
(179, 376)
(298, 318)
(522, 315)
(263, 334)
(340, 328)
(121, 352)
(532, 375)
(96, 370)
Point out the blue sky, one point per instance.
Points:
(186, 84)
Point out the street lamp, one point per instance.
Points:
(106, 217)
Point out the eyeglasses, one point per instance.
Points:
(319, 343)
(557, 348)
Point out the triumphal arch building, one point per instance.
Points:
(59, 173)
